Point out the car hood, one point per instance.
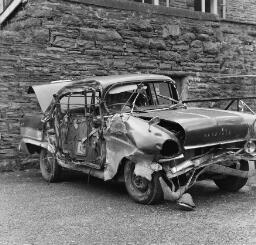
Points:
(205, 127)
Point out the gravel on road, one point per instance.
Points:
(75, 212)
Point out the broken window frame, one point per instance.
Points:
(150, 90)
(84, 104)
(91, 101)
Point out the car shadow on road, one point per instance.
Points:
(93, 183)
(207, 194)
(203, 191)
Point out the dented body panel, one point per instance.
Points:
(101, 125)
(149, 140)
(32, 126)
(129, 137)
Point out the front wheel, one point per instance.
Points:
(49, 167)
(140, 189)
(233, 183)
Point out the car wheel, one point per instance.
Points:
(49, 167)
(140, 189)
(233, 183)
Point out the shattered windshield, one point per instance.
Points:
(141, 96)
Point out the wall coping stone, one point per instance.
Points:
(147, 8)
(238, 22)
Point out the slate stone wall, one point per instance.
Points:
(238, 10)
(56, 39)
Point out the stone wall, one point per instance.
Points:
(238, 10)
(72, 39)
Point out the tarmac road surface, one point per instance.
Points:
(75, 212)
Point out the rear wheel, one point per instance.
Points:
(233, 183)
(49, 167)
(140, 189)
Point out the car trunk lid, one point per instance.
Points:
(45, 92)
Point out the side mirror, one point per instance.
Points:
(153, 121)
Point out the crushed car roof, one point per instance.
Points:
(106, 81)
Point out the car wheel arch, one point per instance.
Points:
(33, 148)
(119, 176)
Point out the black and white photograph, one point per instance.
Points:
(127, 122)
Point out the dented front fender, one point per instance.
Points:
(129, 137)
(150, 140)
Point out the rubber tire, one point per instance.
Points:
(233, 183)
(50, 173)
(152, 195)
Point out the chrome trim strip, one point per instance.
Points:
(216, 143)
(170, 159)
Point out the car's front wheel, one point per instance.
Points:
(140, 189)
(233, 183)
(49, 167)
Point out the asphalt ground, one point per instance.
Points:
(75, 212)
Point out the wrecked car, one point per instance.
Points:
(134, 128)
